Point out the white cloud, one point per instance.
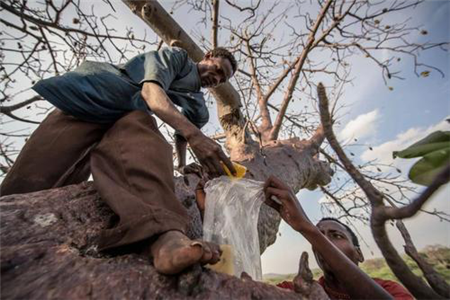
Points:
(383, 152)
(362, 126)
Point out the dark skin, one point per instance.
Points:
(342, 239)
(331, 243)
(200, 196)
(173, 251)
(213, 71)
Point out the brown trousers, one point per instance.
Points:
(130, 161)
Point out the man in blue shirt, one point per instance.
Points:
(103, 124)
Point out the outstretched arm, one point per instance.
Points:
(356, 283)
(208, 152)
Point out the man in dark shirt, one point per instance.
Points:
(336, 249)
(103, 124)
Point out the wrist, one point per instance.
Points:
(308, 229)
(191, 133)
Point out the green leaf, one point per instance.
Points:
(433, 142)
(425, 170)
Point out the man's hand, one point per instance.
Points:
(280, 197)
(192, 168)
(209, 154)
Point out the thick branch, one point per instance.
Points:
(317, 139)
(372, 193)
(266, 122)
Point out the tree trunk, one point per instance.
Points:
(293, 161)
(48, 252)
(48, 238)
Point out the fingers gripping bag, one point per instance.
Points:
(230, 220)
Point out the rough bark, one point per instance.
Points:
(293, 161)
(48, 252)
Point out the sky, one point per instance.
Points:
(385, 119)
(388, 121)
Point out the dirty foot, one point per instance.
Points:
(173, 252)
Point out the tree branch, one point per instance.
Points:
(317, 139)
(372, 193)
(410, 210)
(12, 116)
(228, 102)
(55, 24)
(215, 22)
(412, 282)
(280, 79)
(11, 108)
(335, 200)
(434, 278)
(266, 122)
(293, 81)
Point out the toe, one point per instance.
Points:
(211, 254)
(207, 254)
(215, 258)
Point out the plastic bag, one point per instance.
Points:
(230, 220)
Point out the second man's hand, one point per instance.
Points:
(209, 154)
(287, 205)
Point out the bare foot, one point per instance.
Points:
(173, 252)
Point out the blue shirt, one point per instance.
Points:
(103, 92)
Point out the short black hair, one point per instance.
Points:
(222, 52)
(349, 230)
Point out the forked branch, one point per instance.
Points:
(412, 282)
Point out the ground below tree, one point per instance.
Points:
(438, 256)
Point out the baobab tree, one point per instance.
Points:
(281, 48)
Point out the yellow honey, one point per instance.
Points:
(226, 263)
(240, 171)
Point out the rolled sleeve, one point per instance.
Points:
(163, 66)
